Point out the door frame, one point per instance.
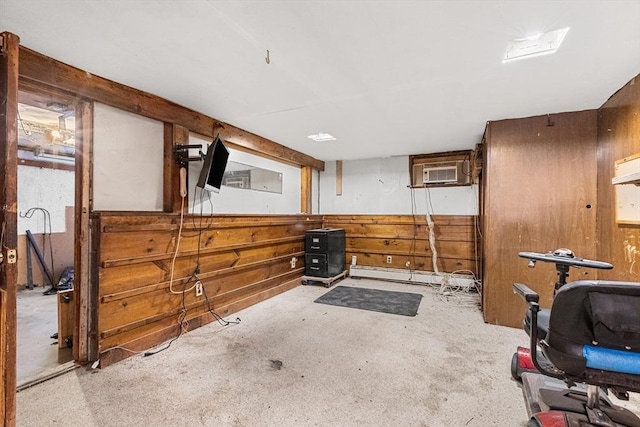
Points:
(85, 348)
(9, 50)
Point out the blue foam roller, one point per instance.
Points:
(612, 360)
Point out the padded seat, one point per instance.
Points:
(591, 321)
(543, 322)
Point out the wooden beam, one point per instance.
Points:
(46, 164)
(40, 68)
(168, 175)
(338, 177)
(84, 344)
(9, 53)
(173, 135)
(255, 143)
(306, 189)
(43, 69)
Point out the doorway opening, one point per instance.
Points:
(46, 237)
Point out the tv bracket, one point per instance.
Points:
(181, 154)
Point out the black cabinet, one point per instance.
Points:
(324, 252)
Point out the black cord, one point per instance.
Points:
(216, 315)
(181, 320)
(194, 276)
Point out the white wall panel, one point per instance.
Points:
(381, 186)
(127, 161)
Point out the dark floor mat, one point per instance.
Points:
(403, 303)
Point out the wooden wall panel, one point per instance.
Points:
(242, 259)
(371, 238)
(9, 59)
(306, 190)
(85, 344)
(618, 137)
(539, 195)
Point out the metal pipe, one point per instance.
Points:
(43, 264)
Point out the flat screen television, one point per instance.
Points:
(215, 163)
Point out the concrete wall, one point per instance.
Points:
(380, 186)
(48, 189)
(51, 190)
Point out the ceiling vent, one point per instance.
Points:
(536, 45)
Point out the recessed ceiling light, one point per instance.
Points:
(321, 137)
(532, 46)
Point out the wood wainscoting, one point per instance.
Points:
(405, 238)
(242, 259)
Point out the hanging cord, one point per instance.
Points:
(46, 224)
(458, 290)
(415, 231)
(182, 323)
(216, 315)
(432, 236)
(175, 255)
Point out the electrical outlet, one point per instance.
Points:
(198, 288)
(294, 260)
(408, 264)
(389, 259)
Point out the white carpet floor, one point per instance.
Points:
(292, 362)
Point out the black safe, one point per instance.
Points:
(324, 252)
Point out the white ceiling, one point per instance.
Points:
(385, 77)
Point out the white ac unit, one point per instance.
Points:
(439, 174)
(445, 173)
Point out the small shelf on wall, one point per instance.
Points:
(626, 183)
(630, 178)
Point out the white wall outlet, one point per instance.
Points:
(389, 259)
(294, 260)
(408, 264)
(354, 260)
(198, 288)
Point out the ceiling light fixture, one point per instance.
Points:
(537, 45)
(322, 137)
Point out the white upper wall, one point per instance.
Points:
(128, 168)
(381, 186)
(127, 161)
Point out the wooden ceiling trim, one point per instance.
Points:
(42, 69)
(255, 143)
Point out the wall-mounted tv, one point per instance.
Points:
(215, 163)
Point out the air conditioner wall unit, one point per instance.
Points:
(446, 173)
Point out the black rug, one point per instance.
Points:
(403, 303)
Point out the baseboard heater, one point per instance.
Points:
(457, 280)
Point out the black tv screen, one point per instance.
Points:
(215, 163)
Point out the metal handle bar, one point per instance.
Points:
(565, 257)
